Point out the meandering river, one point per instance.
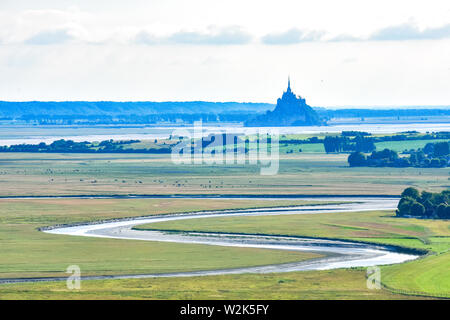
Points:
(334, 253)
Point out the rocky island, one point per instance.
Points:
(291, 110)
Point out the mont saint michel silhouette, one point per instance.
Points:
(291, 110)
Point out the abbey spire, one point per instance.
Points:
(291, 110)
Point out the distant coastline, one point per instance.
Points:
(185, 113)
(14, 134)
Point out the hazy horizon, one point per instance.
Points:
(251, 102)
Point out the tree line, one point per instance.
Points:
(357, 141)
(69, 146)
(433, 155)
(424, 204)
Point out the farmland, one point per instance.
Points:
(26, 252)
(427, 276)
(32, 174)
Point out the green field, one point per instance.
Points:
(75, 174)
(304, 147)
(428, 276)
(401, 146)
(332, 284)
(27, 252)
(398, 146)
(50, 254)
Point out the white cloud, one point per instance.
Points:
(50, 37)
(50, 26)
(292, 36)
(145, 37)
(45, 26)
(410, 31)
(164, 49)
(233, 35)
(223, 36)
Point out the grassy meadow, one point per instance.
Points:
(330, 284)
(428, 276)
(401, 146)
(27, 252)
(31, 253)
(26, 174)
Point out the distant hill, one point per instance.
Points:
(384, 112)
(66, 108)
(148, 112)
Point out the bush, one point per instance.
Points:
(411, 193)
(435, 163)
(404, 206)
(441, 149)
(356, 159)
(441, 211)
(417, 209)
(425, 204)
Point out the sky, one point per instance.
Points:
(337, 53)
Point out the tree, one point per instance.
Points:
(356, 159)
(404, 206)
(438, 198)
(435, 163)
(429, 148)
(383, 158)
(413, 158)
(429, 207)
(425, 195)
(417, 209)
(441, 211)
(411, 193)
(441, 149)
(332, 144)
(433, 205)
(364, 144)
(446, 194)
(420, 156)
